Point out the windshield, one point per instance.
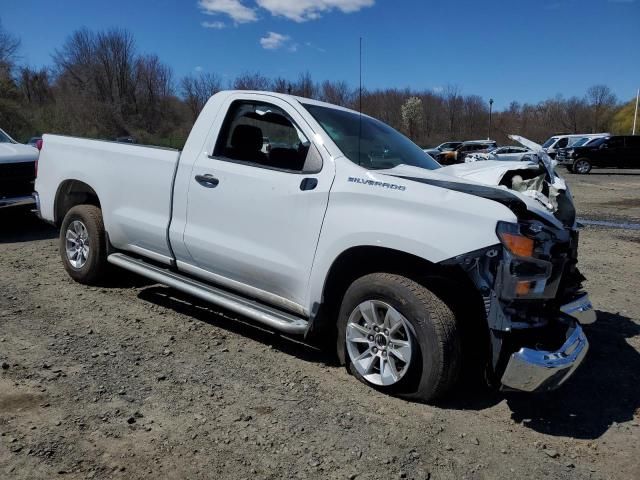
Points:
(549, 142)
(580, 142)
(4, 138)
(598, 141)
(369, 142)
(448, 147)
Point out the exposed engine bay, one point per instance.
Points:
(534, 178)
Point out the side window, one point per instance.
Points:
(265, 136)
(562, 143)
(615, 142)
(633, 142)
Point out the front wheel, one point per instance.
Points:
(582, 166)
(397, 336)
(83, 244)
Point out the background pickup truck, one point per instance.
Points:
(340, 228)
(17, 172)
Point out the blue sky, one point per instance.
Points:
(524, 50)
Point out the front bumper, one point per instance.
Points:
(532, 370)
(22, 200)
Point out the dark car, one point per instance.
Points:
(621, 151)
(458, 155)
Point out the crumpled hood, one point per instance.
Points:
(482, 174)
(489, 172)
(17, 153)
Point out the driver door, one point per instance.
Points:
(256, 205)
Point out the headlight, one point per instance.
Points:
(510, 236)
(523, 276)
(571, 153)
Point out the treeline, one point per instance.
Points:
(99, 85)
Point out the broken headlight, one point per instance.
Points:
(522, 275)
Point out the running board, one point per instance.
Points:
(282, 321)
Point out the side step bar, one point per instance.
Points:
(269, 316)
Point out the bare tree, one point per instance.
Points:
(305, 87)
(281, 85)
(35, 85)
(453, 104)
(196, 90)
(337, 93)
(251, 81)
(602, 100)
(9, 46)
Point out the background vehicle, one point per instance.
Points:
(126, 139)
(345, 230)
(443, 147)
(556, 142)
(458, 155)
(607, 152)
(17, 172)
(34, 142)
(508, 154)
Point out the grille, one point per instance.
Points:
(16, 178)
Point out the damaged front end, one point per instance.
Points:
(534, 304)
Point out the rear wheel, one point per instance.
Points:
(582, 166)
(398, 337)
(83, 245)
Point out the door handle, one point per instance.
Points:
(308, 184)
(207, 180)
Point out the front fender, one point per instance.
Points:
(426, 221)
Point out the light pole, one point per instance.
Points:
(635, 115)
(490, 111)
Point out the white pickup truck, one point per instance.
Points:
(318, 221)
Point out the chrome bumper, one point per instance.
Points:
(531, 370)
(17, 201)
(581, 309)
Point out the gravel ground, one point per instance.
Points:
(139, 381)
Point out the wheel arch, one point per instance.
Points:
(447, 282)
(70, 193)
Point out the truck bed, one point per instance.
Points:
(133, 183)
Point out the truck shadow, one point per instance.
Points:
(20, 225)
(605, 390)
(218, 317)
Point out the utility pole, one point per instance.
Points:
(635, 116)
(490, 111)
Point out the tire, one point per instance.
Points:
(428, 325)
(82, 232)
(581, 166)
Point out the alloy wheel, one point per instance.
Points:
(77, 244)
(379, 342)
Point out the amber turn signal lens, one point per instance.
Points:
(523, 288)
(517, 244)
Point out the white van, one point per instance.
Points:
(556, 142)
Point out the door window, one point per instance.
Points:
(264, 135)
(615, 142)
(633, 142)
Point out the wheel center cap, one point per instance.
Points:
(381, 340)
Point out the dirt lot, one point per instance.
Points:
(138, 381)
